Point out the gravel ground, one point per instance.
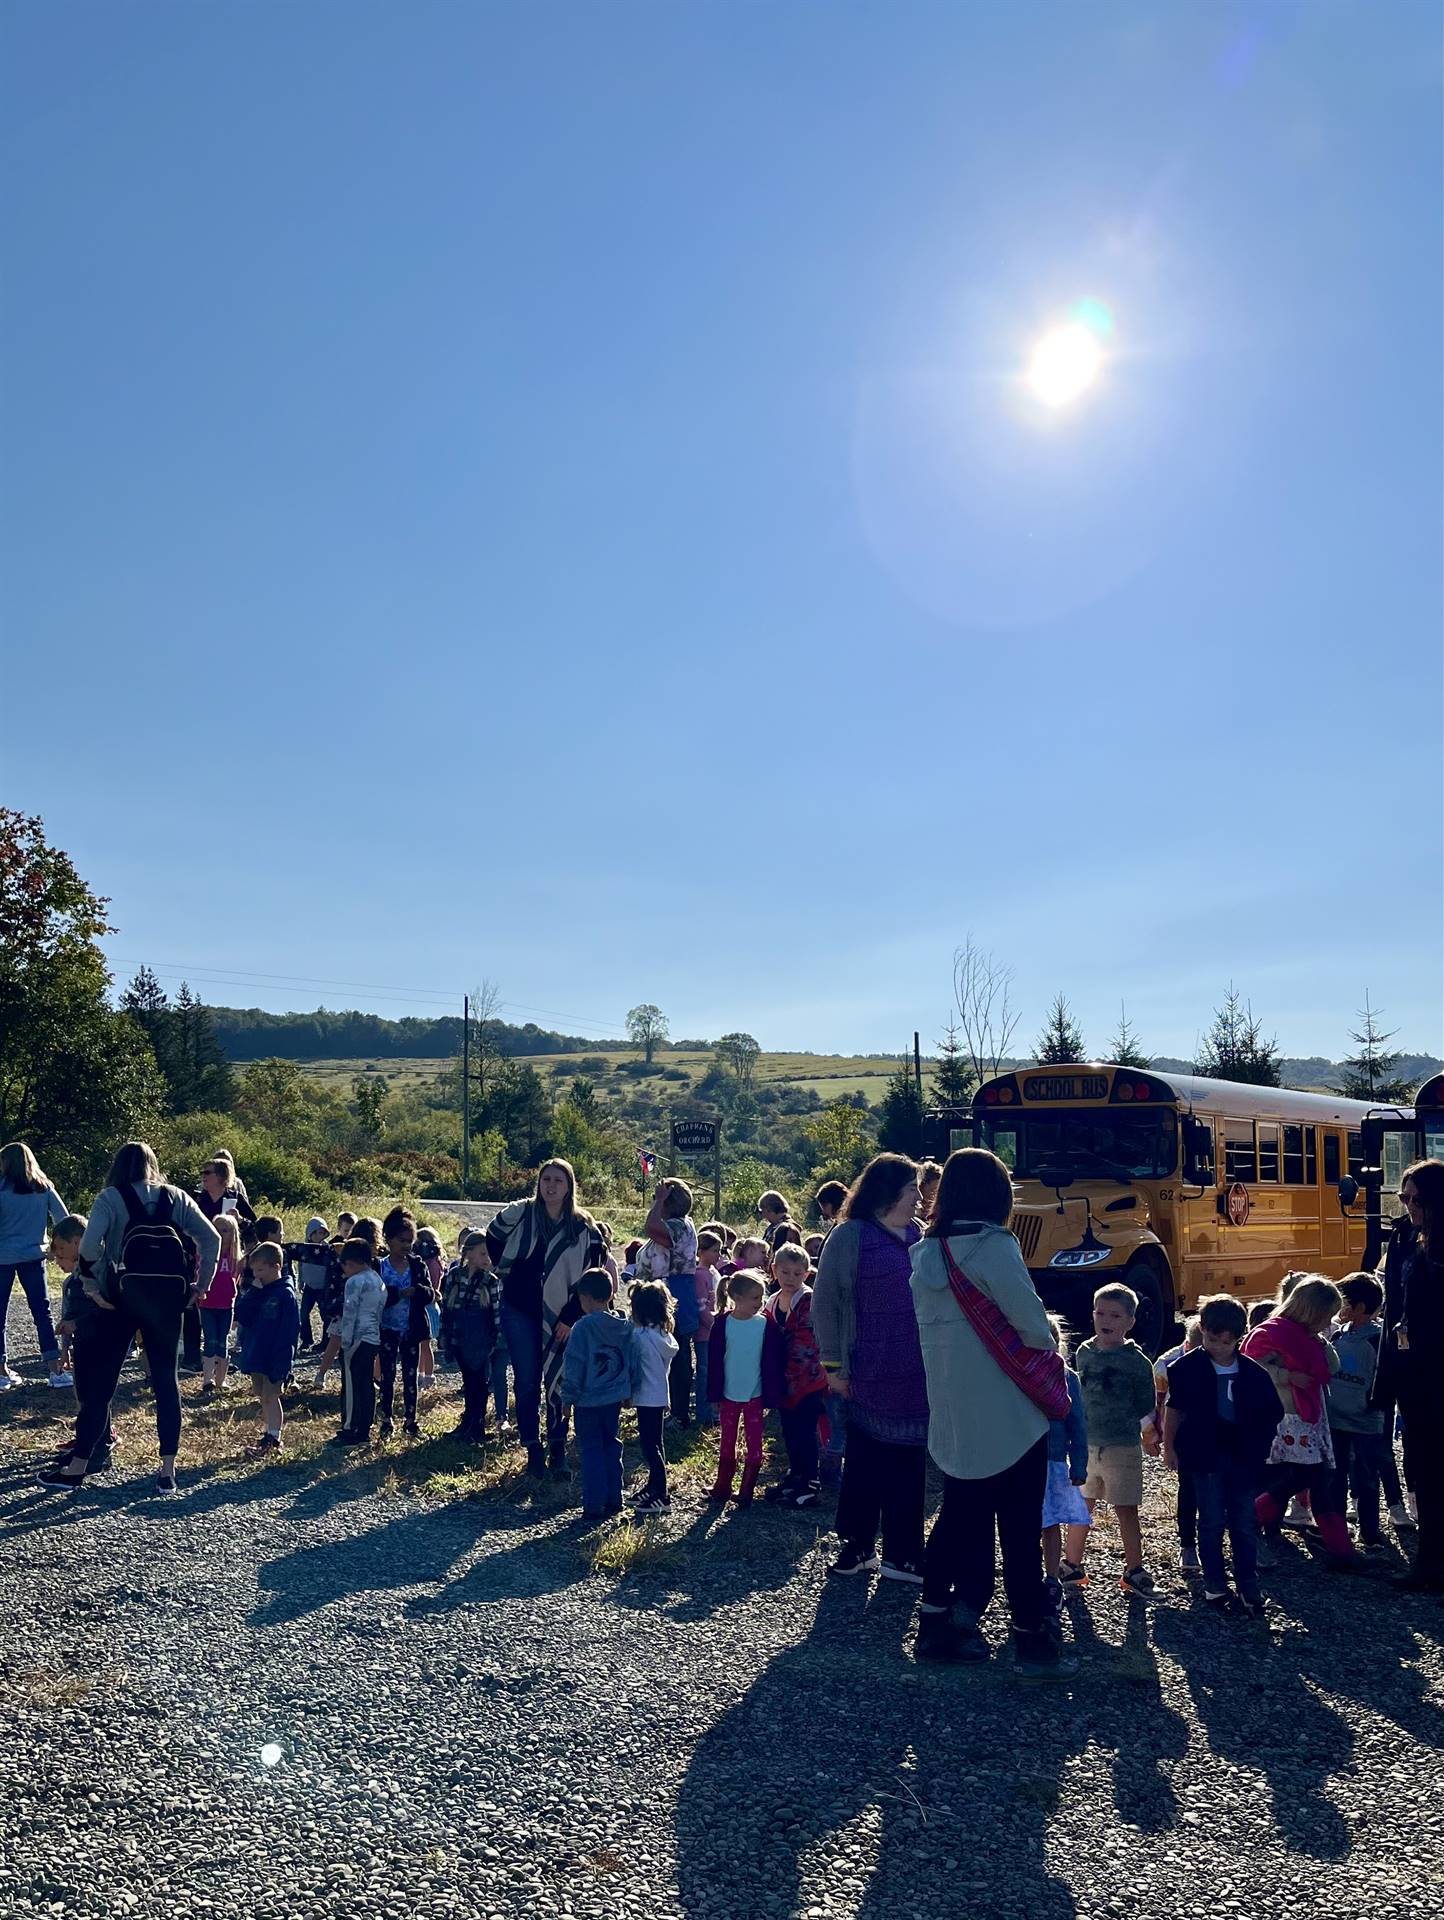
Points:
(471, 1720)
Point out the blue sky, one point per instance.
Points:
(547, 492)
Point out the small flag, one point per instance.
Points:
(649, 1162)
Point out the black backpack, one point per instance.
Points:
(154, 1251)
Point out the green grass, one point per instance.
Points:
(832, 1075)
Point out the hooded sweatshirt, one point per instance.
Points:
(979, 1421)
(1287, 1346)
(270, 1321)
(600, 1366)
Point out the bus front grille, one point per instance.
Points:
(1029, 1231)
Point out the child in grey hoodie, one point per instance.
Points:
(600, 1370)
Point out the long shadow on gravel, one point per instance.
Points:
(953, 1777)
(1127, 1714)
(414, 1548)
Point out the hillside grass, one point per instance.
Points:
(832, 1075)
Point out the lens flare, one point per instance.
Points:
(270, 1754)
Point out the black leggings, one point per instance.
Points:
(961, 1557)
(396, 1347)
(154, 1312)
(475, 1393)
(649, 1433)
(883, 1484)
(89, 1364)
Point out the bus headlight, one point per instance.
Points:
(1080, 1257)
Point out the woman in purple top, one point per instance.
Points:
(867, 1330)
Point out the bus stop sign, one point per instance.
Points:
(694, 1136)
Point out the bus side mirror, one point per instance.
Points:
(1348, 1190)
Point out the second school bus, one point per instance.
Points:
(1176, 1185)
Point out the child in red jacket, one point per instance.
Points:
(798, 1385)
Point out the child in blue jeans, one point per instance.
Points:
(600, 1370)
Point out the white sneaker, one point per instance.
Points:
(62, 1379)
(1298, 1514)
(9, 1380)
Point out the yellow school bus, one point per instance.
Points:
(1176, 1185)
(1392, 1137)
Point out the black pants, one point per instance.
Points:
(1358, 1469)
(475, 1393)
(191, 1338)
(90, 1370)
(799, 1434)
(312, 1297)
(679, 1382)
(882, 1485)
(396, 1347)
(961, 1556)
(1187, 1511)
(649, 1432)
(155, 1313)
(1424, 1471)
(360, 1389)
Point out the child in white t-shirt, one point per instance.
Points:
(656, 1349)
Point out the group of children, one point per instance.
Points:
(1253, 1408)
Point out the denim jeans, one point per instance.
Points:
(215, 1331)
(498, 1376)
(601, 1455)
(31, 1275)
(523, 1338)
(837, 1425)
(706, 1412)
(1226, 1499)
(1358, 1467)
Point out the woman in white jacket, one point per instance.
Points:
(984, 1433)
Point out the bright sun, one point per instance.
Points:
(1064, 364)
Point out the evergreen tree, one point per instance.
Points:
(1234, 1047)
(199, 1073)
(953, 1080)
(1061, 1041)
(1123, 1048)
(1373, 1072)
(900, 1113)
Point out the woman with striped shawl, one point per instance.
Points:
(541, 1248)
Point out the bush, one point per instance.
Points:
(592, 1064)
(271, 1173)
(675, 1073)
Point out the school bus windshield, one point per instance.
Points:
(1092, 1146)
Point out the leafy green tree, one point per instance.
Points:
(583, 1096)
(76, 1076)
(839, 1133)
(647, 1027)
(1373, 1072)
(1123, 1048)
(738, 1053)
(368, 1095)
(1061, 1041)
(900, 1114)
(271, 1097)
(199, 1073)
(1234, 1047)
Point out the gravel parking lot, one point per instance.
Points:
(468, 1713)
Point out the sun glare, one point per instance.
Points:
(1064, 364)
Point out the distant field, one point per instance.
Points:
(831, 1074)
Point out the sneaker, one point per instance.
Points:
(165, 1483)
(9, 1379)
(411, 1430)
(1070, 1575)
(1268, 1549)
(938, 1639)
(385, 1430)
(1297, 1515)
(1250, 1606)
(1188, 1561)
(54, 1477)
(60, 1378)
(855, 1560)
(807, 1496)
(1400, 1515)
(1038, 1656)
(644, 1508)
(1053, 1593)
(779, 1491)
(1219, 1602)
(1139, 1582)
(905, 1570)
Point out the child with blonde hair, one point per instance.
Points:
(1292, 1349)
(734, 1379)
(217, 1306)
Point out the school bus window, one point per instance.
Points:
(1356, 1152)
(1240, 1162)
(1268, 1151)
(1311, 1156)
(1294, 1156)
(1004, 1143)
(1331, 1159)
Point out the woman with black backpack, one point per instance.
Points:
(148, 1252)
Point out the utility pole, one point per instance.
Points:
(465, 1095)
(918, 1078)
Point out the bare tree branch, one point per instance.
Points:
(982, 989)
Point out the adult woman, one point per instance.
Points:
(867, 1331)
(135, 1300)
(987, 1436)
(28, 1205)
(1414, 1367)
(541, 1248)
(220, 1184)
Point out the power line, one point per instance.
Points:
(237, 977)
